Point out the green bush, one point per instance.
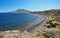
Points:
(48, 26)
(50, 20)
(56, 24)
(49, 34)
(52, 25)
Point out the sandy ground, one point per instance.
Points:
(38, 25)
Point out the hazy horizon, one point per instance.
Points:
(32, 5)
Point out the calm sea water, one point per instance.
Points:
(10, 21)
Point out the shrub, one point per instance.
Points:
(49, 34)
(52, 25)
(48, 26)
(56, 24)
(50, 20)
(47, 22)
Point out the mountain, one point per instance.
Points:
(22, 11)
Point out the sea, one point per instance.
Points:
(11, 21)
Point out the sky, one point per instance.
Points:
(32, 5)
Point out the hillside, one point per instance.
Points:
(53, 14)
(49, 12)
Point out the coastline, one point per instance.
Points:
(36, 24)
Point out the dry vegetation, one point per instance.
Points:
(48, 33)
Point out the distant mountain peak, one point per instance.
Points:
(22, 11)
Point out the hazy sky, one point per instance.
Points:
(10, 5)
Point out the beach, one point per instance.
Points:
(37, 25)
